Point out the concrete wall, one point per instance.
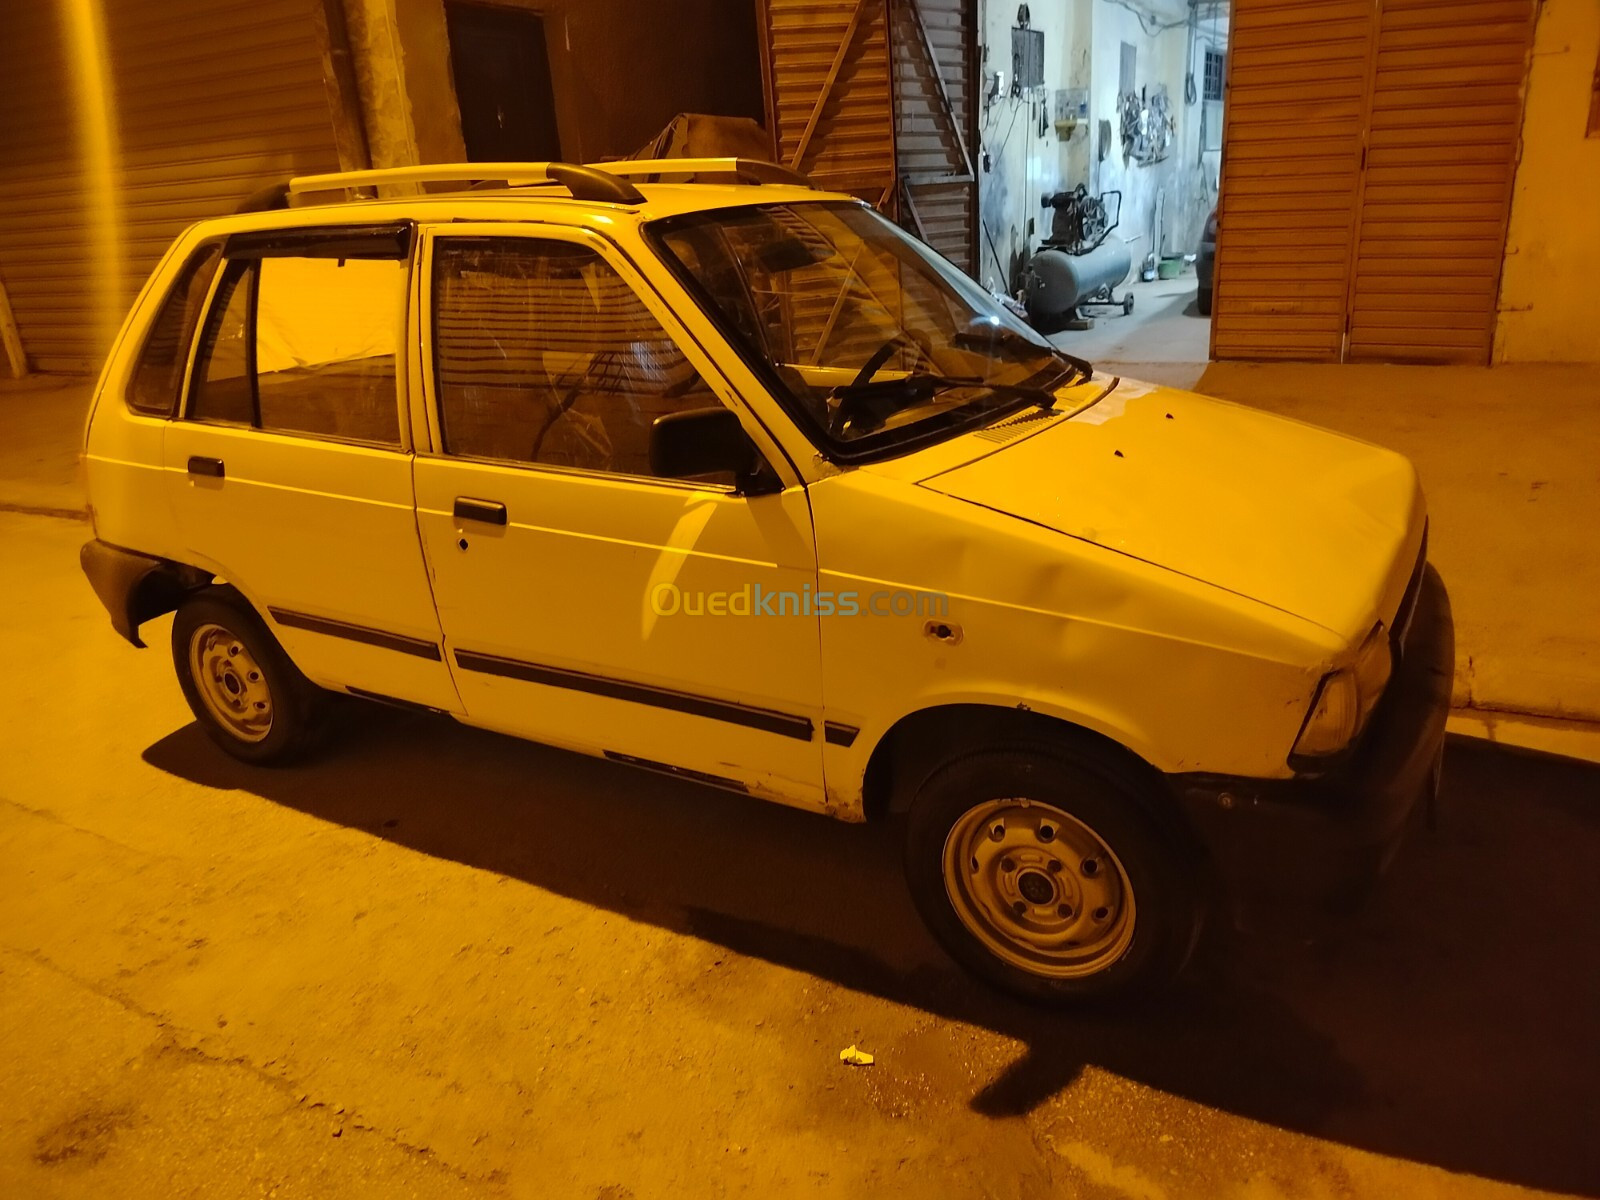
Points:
(1023, 164)
(1550, 289)
(1197, 170)
(621, 70)
(1159, 60)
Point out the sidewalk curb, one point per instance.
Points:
(45, 510)
(1526, 733)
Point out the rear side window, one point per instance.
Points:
(158, 375)
(304, 343)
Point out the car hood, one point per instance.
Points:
(1311, 522)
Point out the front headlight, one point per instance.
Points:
(1345, 699)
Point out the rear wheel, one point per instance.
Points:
(1202, 301)
(1049, 878)
(242, 688)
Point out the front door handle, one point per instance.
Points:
(490, 512)
(199, 464)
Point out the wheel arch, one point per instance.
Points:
(919, 742)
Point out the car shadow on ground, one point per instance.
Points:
(1451, 1021)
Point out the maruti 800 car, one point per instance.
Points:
(691, 466)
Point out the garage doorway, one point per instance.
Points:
(1125, 102)
(501, 66)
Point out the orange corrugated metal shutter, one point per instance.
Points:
(1444, 118)
(213, 102)
(1297, 72)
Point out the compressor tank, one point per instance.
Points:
(1056, 282)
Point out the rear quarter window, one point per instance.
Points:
(157, 377)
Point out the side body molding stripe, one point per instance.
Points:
(419, 647)
(769, 720)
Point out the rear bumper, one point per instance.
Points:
(135, 587)
(1325, 840)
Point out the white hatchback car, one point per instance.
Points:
(688, 465)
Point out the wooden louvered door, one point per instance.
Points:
(1292, 125)
(933, 58)
(1369, 153)
(874, 97)
(829, 86)
(1444, 118)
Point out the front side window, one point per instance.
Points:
(305, 345)
(876, 342)
(544, 354)
(158, 376)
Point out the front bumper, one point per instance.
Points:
(1326, 839)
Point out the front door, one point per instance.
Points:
(288, 472)
(585, 601)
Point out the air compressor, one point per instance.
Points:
(1080, 264)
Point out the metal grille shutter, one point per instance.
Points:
(213, 101)
(828, 79)
(1445, 116)
(933, 125)
(1297, 72)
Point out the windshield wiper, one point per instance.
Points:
(1014, 343)
(869, 405)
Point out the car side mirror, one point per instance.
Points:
(709, 441)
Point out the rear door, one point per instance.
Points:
(289, 468)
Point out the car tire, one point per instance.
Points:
(1202, 301)
(246, 694)
(1109, 892)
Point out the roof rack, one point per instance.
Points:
(750, 170)
(585, 183)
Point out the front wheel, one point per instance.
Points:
(1049, 878)
(248, 697)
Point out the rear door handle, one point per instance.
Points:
(490, 512)
(199, 464)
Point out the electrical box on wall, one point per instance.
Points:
(1071, 109)
(1027, 58)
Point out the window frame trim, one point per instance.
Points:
(281, 247)
(180, 399)
(618, 259)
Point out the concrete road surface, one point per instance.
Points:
(440, 963)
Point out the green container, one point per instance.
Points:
(1170, 268)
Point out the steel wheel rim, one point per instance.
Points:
(231, 683)
(1039, 888)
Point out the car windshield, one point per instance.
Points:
(878, 343)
